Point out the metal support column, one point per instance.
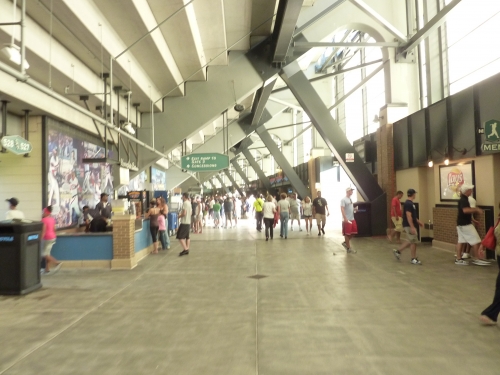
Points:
(4, 121)
(233, 181)
(26, 127)
(338, 143)
(285, 165)
(217, 176)
(257, 169)
(238, 170)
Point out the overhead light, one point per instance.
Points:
(377, 119)
(13, 53)
(430, 163)
(446, 159)
(129, 128)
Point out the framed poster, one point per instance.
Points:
(452, 177)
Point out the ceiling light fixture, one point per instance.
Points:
(129, 128)
(13, 53)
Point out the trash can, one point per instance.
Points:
(363, 219)
(172, 222)
(19, 257)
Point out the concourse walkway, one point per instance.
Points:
(239, 305)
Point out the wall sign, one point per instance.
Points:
(491, 134)
(452, 177)
(349, 158)
(16, 144)
(7, 239)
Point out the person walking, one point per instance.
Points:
(258, 206)
(410, 221)
(48, 240)
(269, 209)
(490, 315)
(467, 233)
(284, 213)
(13, 212)
(153, 214)
(216, 209)
(228, 209)
(349, 226)
(396, 218)
(295, 211)
(320, 208)
(307, 209)
(184, 227)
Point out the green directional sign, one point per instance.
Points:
(491, 133)
(205, 162)
(16, 144)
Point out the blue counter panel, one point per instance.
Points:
(83, 247)
(142, 238)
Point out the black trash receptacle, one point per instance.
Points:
(363, 219)
(19, 257)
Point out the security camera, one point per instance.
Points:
(239, 108)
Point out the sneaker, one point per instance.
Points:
(397, 254)
(184, 252)
(323, 231)
(416, 261)
(485, 320)
(56, 268)
(308, 233)
(461, 262)
(351, 251)
(300, 229)
(466, 256)
(42, 271)
(168, 247)
(478, 262)
(319, 234)
(345, 245)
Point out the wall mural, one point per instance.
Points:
(72, 184)
(158, 179)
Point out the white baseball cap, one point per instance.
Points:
(349, 189)
(466, 187)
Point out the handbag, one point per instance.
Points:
(489, 240)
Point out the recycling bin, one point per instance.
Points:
(19, 257)
(363, 219)
(172, 222)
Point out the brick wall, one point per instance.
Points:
(445, 224)
(123, 237)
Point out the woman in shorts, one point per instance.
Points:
(307, 209)
(48, 240)
(153, 214)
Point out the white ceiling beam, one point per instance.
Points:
(210, 18)
(182, 35)
(85, 12)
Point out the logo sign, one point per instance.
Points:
(7, 239)
(205, 162)
(128, 165)
(349, 158)
(33, 237)
(16, 144)
(491, 133)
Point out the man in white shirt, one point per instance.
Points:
(295, 210)
(184, 227)
(13, 212)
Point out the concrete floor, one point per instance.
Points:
(315, 312)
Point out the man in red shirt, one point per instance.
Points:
(396, 217)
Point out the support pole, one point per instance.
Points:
(233, 181)
(282, 161)
(238, 169)
(26, 127)
(222, 184)
(4, 121)
(23, 42)
(257, 169)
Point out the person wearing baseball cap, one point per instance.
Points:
(466, 231)
(349, 226)
(104, 207)
(13, 212)
(410, 221)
